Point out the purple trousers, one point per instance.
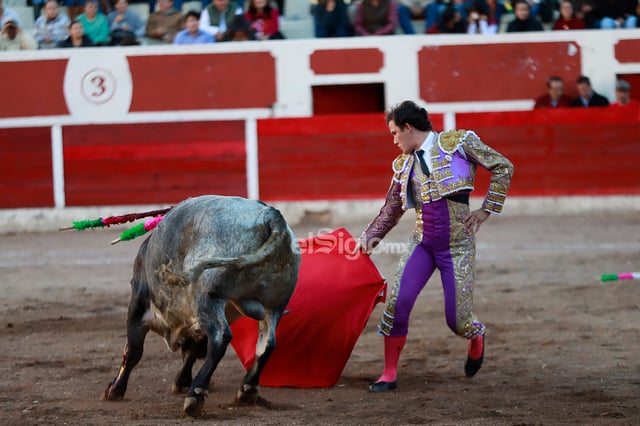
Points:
(439, 241)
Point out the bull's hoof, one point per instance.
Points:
(247, 395)
(112, 394)
(193, 404)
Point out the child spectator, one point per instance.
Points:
(192, 34)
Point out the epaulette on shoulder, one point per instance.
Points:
(450, 140)
(400, 163)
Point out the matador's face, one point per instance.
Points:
(401, 137)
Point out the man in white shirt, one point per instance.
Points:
(216, 18)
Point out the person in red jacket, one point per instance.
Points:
(623, 95)
(568, 19)
(555, 96)
(264, 20)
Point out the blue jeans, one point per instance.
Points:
(609, 23)
(404, 19)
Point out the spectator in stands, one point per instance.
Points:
(484, 16)
(52, 27)
(240, 30)
(623, 95)
(523, 21)
(544, 9)
(330, 19)
(587, 97)
(216, 18)
(95, 23)
(585, 11)
(555, 96)
(165, 23)
(451, 22)
(13, 38)
(568, 19)
(177, 5)
(125, 24)
(376, 17)
(433, 12)
(192, 34)
(7, 14)
(409, 10)
(264, 20)
(77, 37)
(616, 13)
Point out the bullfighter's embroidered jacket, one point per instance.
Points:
(453, 157)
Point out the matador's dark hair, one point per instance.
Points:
(408, 112)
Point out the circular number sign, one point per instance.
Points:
(98, 86)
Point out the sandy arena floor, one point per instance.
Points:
(562, 347)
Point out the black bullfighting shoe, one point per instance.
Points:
(384, 386)
(472, 366)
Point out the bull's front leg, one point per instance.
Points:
(212, 319)
(136, 332)
(248, 392)
(130, 357)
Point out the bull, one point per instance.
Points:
(211, 260)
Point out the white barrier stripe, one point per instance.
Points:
(58, 167)
(251, 147)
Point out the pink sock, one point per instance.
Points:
(393, 346)
(475, 347)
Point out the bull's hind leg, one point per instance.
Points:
(212, 319)
(136, 333)
(248, 392)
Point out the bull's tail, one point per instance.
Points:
(279, 236)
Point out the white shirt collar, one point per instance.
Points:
(428, 142)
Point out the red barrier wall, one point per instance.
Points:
(26, 171)
(568, 151)
(579, 151)
(326, 157)
(563, 152)
(153, 163)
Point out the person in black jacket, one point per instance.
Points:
(77, 37)
(523, 20)
(586, 96)
(330, 19)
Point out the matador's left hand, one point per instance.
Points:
(476, 218)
